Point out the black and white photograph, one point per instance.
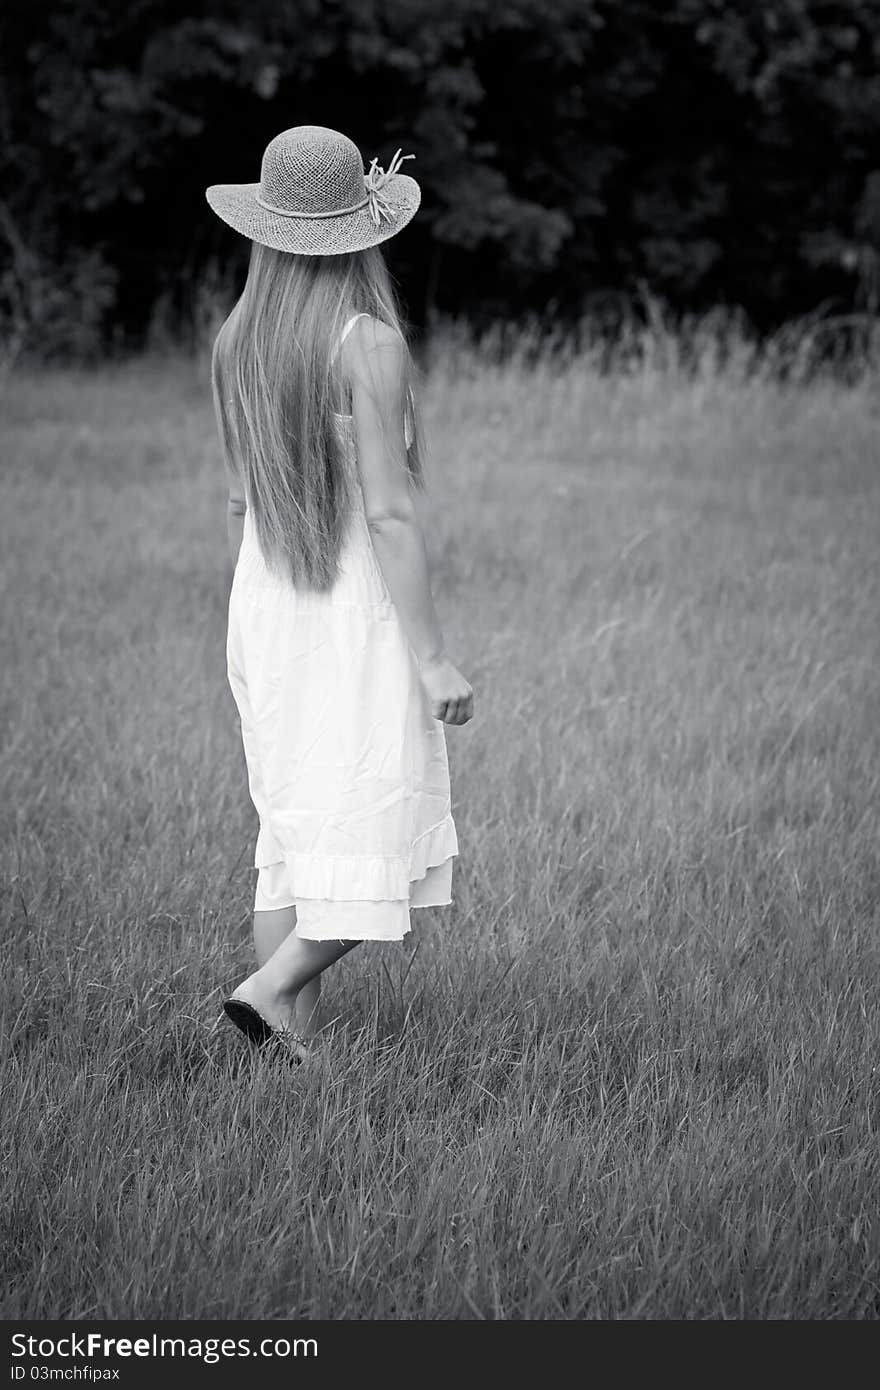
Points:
(440, 762)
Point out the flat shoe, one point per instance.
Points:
(245, 1017)
(259, 1031)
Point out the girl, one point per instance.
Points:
(335, 656)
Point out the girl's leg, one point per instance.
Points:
(274, 988)
(271, 927)
(305, 1010)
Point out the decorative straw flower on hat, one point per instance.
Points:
(314, 197)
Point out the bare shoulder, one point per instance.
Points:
(374, 351)
(370, 333)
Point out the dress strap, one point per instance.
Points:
(345, 332)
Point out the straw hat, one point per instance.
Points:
(314, 197)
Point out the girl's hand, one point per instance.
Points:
(450, 696)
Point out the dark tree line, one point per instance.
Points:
(569, 151)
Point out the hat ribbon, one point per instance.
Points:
(374, 180)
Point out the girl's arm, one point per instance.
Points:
(376, 359)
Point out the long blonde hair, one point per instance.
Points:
(275, 393)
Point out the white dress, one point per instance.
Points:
(347, 767)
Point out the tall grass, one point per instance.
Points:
(632, 1071)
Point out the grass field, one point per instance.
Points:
(632, 1072)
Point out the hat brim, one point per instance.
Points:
(236, 204)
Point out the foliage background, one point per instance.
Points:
(571, 154)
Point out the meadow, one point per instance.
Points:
(632, 1071)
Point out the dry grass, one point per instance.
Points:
(632, 1072)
